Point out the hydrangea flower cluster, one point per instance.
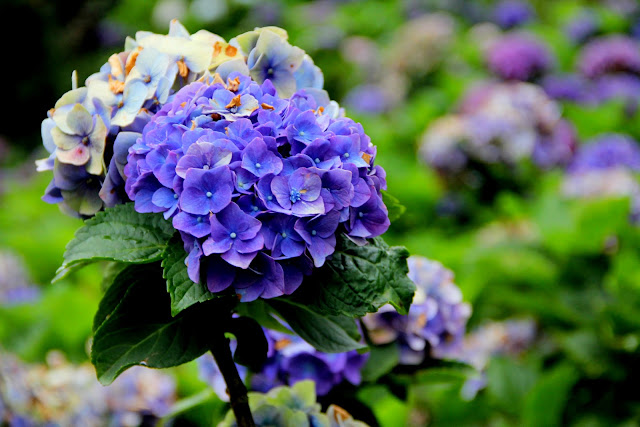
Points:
(90, 129)
(606, 166)
(293, 406)
(502, 123)
(15, 287)
(258, 184)
(608, 67)
(437, 319)
(60, 393)
(518, 57)
(290, 360)
(509, 14)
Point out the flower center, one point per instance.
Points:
(85, 141)
(284, 235)
(314, 232)
(258, 165)
(360, 214)
(269, 198)
(233, 235)
(317, 160)
(205, 167)
(346, 155)
(175, 196)
(294, 196)
(209, 194)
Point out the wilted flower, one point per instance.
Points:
(436, 321)
(91, 127)
(518, 57)
(512, 13)
(60, 393)
(609, 54)
(253, 179)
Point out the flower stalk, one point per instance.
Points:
(235, 387)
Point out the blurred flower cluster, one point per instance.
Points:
(293, 406)
(606, 166)
(290, 360)
(510, 337)
(506, 123)
(15, 287)
(437, 319)
(90, 128)
(61, 393)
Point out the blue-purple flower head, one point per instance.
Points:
(258, 184)
(512, 13)
(518, 57)
(89, 131)
(437, 319)
(608, 55)
(608, 151)
(582, 27)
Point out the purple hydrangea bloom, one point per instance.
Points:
(606, 166)
(291, 359)
(582, 27)
(570, 87)
(607, 151)
(436, 321)
(512, 13)
(368, 99)
(610, 54)
(518, 57)
(259, 193)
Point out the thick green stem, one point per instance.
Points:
(235, 387)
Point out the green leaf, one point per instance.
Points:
(325, 333)
(382, 359)
(252, 345)
(509, 382)
(134, 325)
(183, 291)
(545, 402)
(261, 312)
(359, 279)
(393, 206)
(117, 234)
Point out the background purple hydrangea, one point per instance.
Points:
(258, 185)
(437, 319)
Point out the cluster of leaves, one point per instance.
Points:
(149, 271)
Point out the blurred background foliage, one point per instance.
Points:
(571, 265)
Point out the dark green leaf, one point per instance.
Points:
(117, 234)
(509, 382)
(252, 344)
(325, 333)
(359, 279)
(183, 291)
(544, 404)
(135, 326)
